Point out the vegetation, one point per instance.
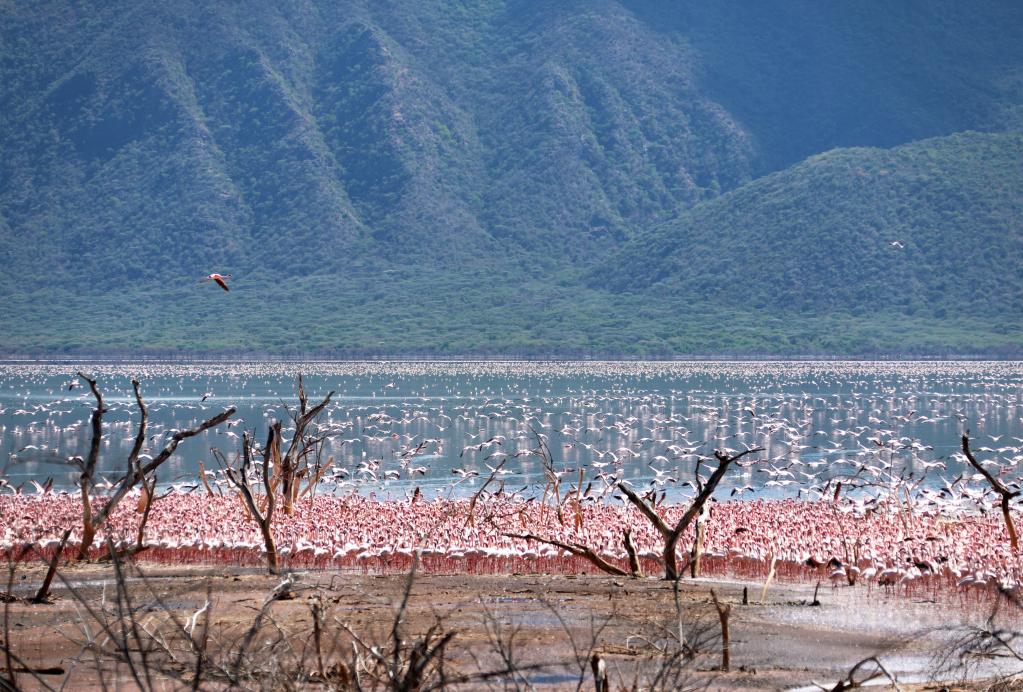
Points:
(930, 228)
(419, 178)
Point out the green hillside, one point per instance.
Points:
(931, 228)
(492, 176)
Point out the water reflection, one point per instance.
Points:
(444, 427)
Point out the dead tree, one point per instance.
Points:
(88, 467)
(242, 480)
(1006, 494)
(294, 464)
(672, 534)
(145, 506)
(137, 471)
(700, 527)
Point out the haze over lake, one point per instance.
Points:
(445, 427)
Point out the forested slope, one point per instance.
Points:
(524, 176)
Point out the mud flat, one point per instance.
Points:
(499, 631)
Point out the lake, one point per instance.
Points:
(392, 427)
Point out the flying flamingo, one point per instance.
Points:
(219, 278)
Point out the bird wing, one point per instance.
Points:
(221, 283)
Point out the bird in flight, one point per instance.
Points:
(219, 278)
(897, 244)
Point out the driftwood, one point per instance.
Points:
(672, 534)
(1007, 495)
(850, 682)
(137, 471)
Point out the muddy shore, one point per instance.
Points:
(551, 624)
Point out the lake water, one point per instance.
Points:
(645, 422)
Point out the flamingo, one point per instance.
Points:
(219, 278)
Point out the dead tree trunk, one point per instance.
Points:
(672, 534)
(43, 594)
(89, 469)
(137, 471)
(148, 497)
(697, 554)
(999, 487)
(723, 612)
(599, 668)
(634, 566)
(241, 480)
(145, 506)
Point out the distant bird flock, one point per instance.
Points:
(861, 480)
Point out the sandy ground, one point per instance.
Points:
(552, 624)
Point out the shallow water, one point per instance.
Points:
(646, 422)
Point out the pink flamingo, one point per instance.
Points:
(219, 278)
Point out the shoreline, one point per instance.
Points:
(778, 641)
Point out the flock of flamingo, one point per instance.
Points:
(860, 480)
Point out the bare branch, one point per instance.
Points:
(577, 549)
(43, 594)
(646, 509)
(240, 479)
(137, 475)
(140, 437)
(634, 566)
(999, 487)
(97, 429)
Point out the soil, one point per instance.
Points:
(552, 623)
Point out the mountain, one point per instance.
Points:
(926, 228)
(492, 176)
